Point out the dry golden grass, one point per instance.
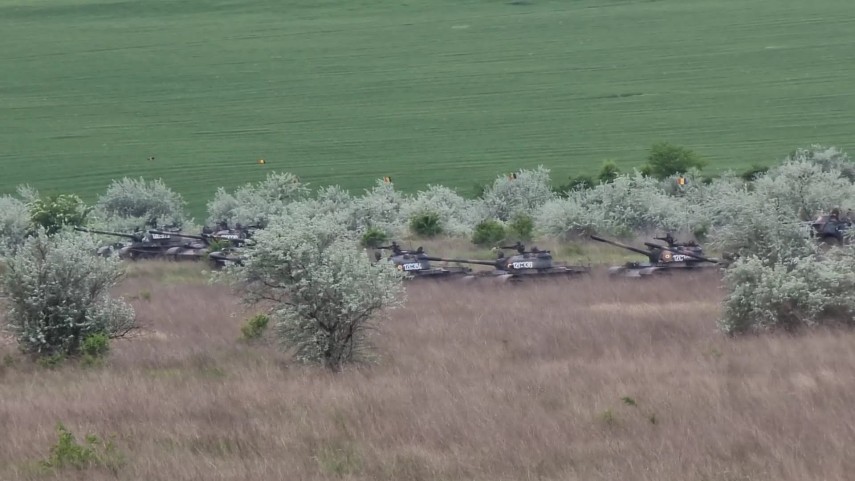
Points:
(572, 380)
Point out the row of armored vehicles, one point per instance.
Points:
(222, 244)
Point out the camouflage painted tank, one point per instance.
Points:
(524, 264)
(417, 264)
(675, 257)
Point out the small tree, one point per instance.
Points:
(54, 212)
(325, 291)
(665, 160)
(57, 293)
(609, 172)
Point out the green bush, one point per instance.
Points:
(374, 237)
(754, 172)
(54, 212)
(68, 453)
(608, 172)
(95, 345)
(521, 227)
(478, 189)
(488, 232)
(426, 224)
(217, 245)
(581, 182)
(255, 327)
(665, 160)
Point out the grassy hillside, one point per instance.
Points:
(345, 92)
(604, 380)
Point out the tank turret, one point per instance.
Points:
(831, 227)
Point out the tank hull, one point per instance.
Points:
(532, 274)
(647, 270)
(439, 273)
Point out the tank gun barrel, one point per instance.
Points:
(136, 237)
(623, 246)
(462, 261)
(689, 254)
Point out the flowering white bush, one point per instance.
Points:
(14, 224)
(781, 279)
(135, 203)
(827, 157)
(457, 215)
(28, 194)
(255, 204)
(222, 207)
(631, 203)
(506, 197)
(57, 293)
(332, 201)
(325, 289)
(805, 188)
(789, 294)
(380, 207)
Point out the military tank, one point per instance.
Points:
(221, 247)
(531, 264)
(142, 245)
(830, 228)
(675, 257)
(417, 263)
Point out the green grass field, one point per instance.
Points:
(449, 92)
